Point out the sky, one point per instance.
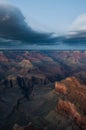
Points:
(57, 16)
(43, 22)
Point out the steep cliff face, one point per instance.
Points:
(24, 82)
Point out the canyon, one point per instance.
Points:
(42, 90)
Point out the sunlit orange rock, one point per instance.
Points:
(69, 109)
(60, 87)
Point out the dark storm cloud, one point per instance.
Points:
(14, 27)
(77, 38)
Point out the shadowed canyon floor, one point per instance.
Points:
(42, 90)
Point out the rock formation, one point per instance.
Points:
(73, 103)
(70, 109)
(45, 87)
(28, 127)
(60, 88)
